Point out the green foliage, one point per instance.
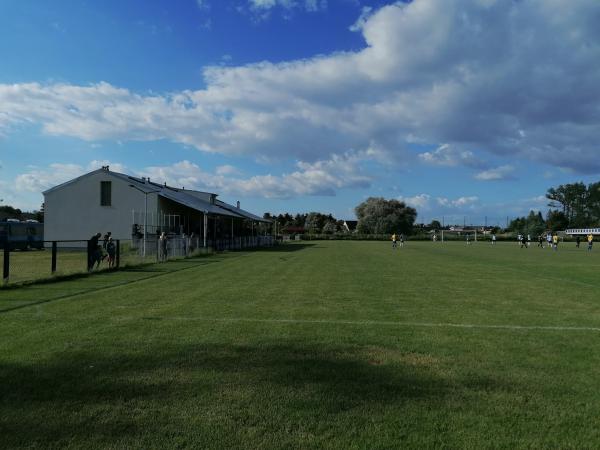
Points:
(578, 204)
(435, 225)
(557, 220)
(533, 224)
(330, 228)
(377, 215)
(9, 212)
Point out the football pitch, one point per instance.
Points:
(324, 344)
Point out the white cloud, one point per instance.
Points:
(461, 202)
(264, 4)
(419, 201)
(308, 5)
(505, 172)
(447, 155)
(362, 19)
(203, 4)
(511, 79)
(39, 179)
(428, 203)
(227, 170)
(319, 178)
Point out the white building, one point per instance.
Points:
(102, 201)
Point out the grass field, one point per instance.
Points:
(311, 345)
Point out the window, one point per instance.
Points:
(105, 193)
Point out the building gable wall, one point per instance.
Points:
(73, 211)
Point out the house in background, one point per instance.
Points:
(349, 226)
(103, 200)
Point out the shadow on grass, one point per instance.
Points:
(286, 248)
(102, 280)
(87, 398)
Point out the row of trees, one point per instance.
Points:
(572, 205)
(313, 222)
(375, 215)
(575, 204)
(9, 212)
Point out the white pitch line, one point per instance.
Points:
(383, 323)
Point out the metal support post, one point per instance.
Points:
(205, 227)
(145, 222)
(53, 268)
(6, 270)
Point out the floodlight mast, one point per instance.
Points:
(145, 215)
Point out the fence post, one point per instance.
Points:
(118, 254)
(89, 257)
(6, 262)
(53, 268)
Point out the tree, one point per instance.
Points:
(299, 220)
(330, 227)
(314, 222)
(532, 224)
(556, 220)
(573, 200)
(593, 204)
(377, 215)
(435, 225)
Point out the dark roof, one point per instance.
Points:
(294, 229)
(246, 214)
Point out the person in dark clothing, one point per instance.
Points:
(577, 241)
(106, 237)
(162, 247)
(111, 250)
(523, 241)
(104, 253)
(93, 252)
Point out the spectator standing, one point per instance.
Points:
(93, 251)
(162, 247)
(111, 250)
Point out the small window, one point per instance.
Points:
(105, 193)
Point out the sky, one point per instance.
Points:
(468, 110)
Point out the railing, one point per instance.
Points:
(583, 231)
(61, 258)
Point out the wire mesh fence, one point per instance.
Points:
(63, 258)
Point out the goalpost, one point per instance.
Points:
(459, 235)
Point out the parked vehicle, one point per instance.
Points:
(21, 235)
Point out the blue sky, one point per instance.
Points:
(464, 109)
